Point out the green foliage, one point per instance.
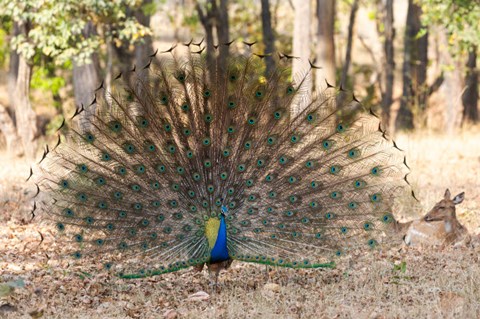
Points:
(402, 267)
(3, 47)
(5, 28)
(372, 15)
(191, 20)
(41, 79)
(459, 17)
(56, 28)
(149, 9)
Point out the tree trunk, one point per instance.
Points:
(470, 96)
(14, 143)
(215, 18)
(26, 117)
(301, 49)
(415, 91)
(145, 49)
(13, 69)
(7, 121)
(325, 44)
(85, 81)
(125, 59)
(223, 31)
(206, 19)
(387, 96)
(268, 37)
(451, 88)
(348, 52)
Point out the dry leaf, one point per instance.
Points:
(199, 296)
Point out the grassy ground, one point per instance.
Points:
(398, 283)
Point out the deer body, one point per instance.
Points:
(439, 226)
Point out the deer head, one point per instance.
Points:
(444, 209)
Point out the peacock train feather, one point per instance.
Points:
(190, 163)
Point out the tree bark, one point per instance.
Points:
(215, 18)
(268, 37)
(470, 96)
(348, 52)
(387, 96)
(7, 121)
(125, 59)
(451, 88)
(206, 18)
(415, 90)
(301, 50)
(13, 70)
(85, 81)
(145, 49)
(14, 143)
(325, 44)
(223, 31)
(26, 117)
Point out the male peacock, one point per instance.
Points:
(194, 162)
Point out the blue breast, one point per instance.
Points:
(219, 252)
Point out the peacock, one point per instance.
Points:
(193, 161)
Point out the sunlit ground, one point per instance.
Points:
(398, 283)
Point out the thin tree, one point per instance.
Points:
(26, 119)
(13, 66)
(389, 35)
(7, 119)
(301, 50)
(144, 49)
(86, 80)
(214, 18)
(415, 59)
(223, 30)
(325, 43)
(268, 37)
(470, 96)
(451, 90)
(348, 51)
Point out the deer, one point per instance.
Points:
(439, 226)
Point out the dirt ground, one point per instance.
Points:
(398, 283)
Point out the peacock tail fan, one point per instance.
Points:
(190, 163)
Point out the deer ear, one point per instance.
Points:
(447, 194)
(459, 198)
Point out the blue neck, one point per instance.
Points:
(219, 252)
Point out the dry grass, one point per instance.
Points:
(399, 283)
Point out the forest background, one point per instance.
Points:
(412, 61)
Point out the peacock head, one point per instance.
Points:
(224, 209)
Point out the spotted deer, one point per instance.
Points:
(439, 226)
